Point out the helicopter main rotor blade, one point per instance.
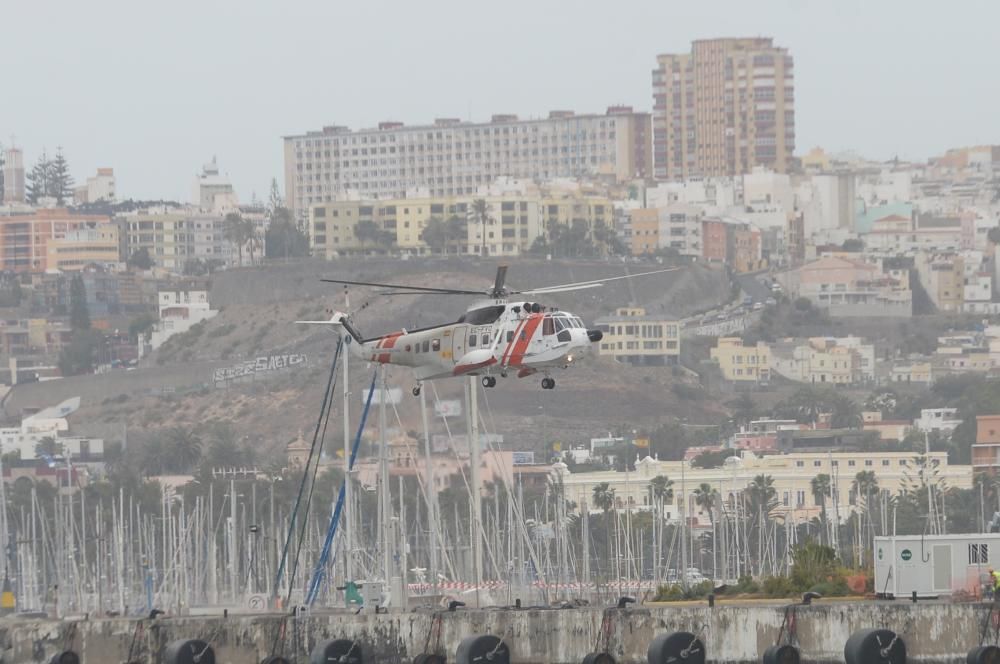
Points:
(418, 293)
(557, 289)
(592, 282)
(424, 289)
(500, 279)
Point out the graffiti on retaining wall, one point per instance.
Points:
(250, 369)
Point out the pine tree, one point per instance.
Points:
(275, 200)
(60, 181)
(79, 313)
(39, 179)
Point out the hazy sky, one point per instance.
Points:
(155, 89)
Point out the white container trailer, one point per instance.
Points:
(935, 565)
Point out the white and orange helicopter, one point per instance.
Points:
(494, 338)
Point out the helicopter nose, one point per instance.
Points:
(595, 335)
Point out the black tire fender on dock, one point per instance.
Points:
(482, 649)
(430, 658)
(872, 646)
(188, 651)
(275, 659)
(786, 654)
(65, 657)
(598, 658)
(675, 647)
(984, 655)
(344, 651)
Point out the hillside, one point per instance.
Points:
(175, 386)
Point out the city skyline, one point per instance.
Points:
(862, 83)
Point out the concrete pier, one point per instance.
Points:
(732, 632)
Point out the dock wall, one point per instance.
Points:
(736, 633)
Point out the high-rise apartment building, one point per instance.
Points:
(454, 158)
(723, 108)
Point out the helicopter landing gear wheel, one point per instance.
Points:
(489, 381)
(416, 390)
(548, 383)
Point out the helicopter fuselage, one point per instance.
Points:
(491, 339)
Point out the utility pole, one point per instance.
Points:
(349, 512)
(429, 487)
(472, 421)
(385, 504)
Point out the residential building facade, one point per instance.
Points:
(636, 337)
(986, 449)
(454, 158)
(513, 223)
(723, 108)
(95, 244)
(740, 363)
(25, 238)
(850, 287)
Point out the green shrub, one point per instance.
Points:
(777, 586)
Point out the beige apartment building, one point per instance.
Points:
(455, 158)
(513, 223)
(723, 108)
(741, 363)
(94, 244)
(633, 336)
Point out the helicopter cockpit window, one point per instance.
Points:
(484, 315)
(548, 326)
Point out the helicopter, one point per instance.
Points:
(509, 333)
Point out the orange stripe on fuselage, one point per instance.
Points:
(511, 343)
(386, 342)
(522, 341)
(390, 341)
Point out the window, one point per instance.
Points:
(510, 336)
(885, 462)
(979, 554)
(435, 345)
(799, 464)
(426, 346)
(800, 498)
(817, 464)
(868, 462)
(548, 326)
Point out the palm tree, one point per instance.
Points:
(481, 212)
(184, 448)
(236, 232)
(864, 485)
(820, 486)
(662, 487)
(705, 498)
(604, 497)
(762, 496)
